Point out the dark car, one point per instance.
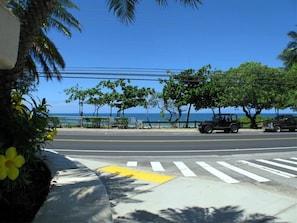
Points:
(280, 122)
(226, 122)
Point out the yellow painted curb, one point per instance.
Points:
(139, 175)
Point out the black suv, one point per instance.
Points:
(280, 122)
(226, 122)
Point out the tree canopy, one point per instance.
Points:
(119, 94)
(184, 90)
(253, 87)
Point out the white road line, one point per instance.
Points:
(132, 163)
(170, 151)
(268, 169)
(157, 166)
(243, 172)
(278, 164)
(293, 158)
(184, 169)
(286, 161)
(217, 173)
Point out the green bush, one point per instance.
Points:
(121, 122)
(21, 170)
(245, 121)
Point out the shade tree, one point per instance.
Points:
(122, 95)
(76, 93)
(213, 90)
(253, 87)
(182, 91)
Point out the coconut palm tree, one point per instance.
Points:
(289, 54)
(40, 52)
(36, 17)
(44, 52)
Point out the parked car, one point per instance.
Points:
(226, 122)
(280, 122)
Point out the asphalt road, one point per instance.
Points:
(161, 143)
(187, 153)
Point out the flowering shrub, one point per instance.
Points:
(22, 173)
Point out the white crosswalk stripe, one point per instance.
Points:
(268, 169)
(243, 172)
(217, 173)
(286, 161)
(132, 163)
(278, 164)
(184, 169)
(157, 166)
(227, 171)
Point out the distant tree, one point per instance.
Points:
(213, 91)
(170, 111)
(95, 97)
(289, 54)
(134, 97)
(151, 102)
(76, 94)
(173, 99)
(122, 95)
(253, 87)
(111, 95)
(190, 85)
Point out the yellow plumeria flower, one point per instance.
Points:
(10, 164)
(49, 136)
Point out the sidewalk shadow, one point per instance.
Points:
(121, 188)
(228, 214)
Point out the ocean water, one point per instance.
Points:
(74, 118)
(154, 116)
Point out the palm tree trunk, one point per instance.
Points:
(5, 108)
(35, 15)
(188, 115)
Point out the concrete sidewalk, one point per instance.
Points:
(150, 200)
(78, 195)
(183, 193)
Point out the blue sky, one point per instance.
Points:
(221, 33)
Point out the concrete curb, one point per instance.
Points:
(76, 195)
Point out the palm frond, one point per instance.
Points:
(289, 54)
(191, 3)
(124, 9)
